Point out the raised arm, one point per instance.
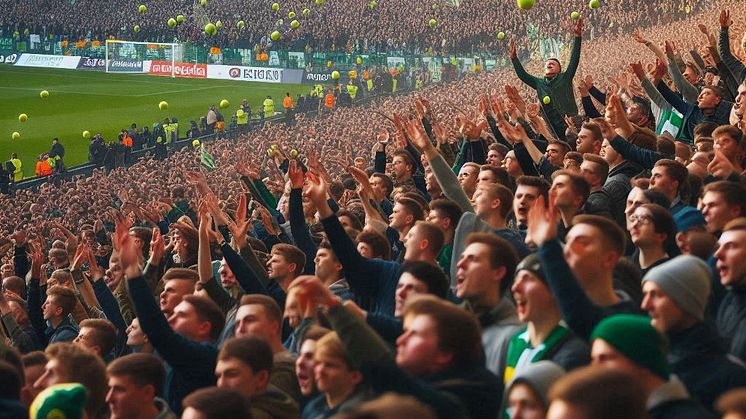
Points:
(298, 226)
(519, 70)
(736, 66)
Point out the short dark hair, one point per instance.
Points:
(601, 393)
(15, 284)
(704, 129)
(430, 275)
(675, 170)
(662, 220)
(377, 241)
(105, 333)
(250, 350)
(434, 235)
(458, 329)
(292, 254)
(577, 182)
(356, 224)
(142, 369)
(448, 208)
(613, 235)
(537, 182)
(502, 254)
(412, 206)
(407, 156)
(84, 367)
(207, 311)
(595, 130)
(34, 358)
(603, 165)
(665, 146)
(502, 175)
(64, 297)
(733, 193)
(387, 182)
(271, 307)
(218, 403)
(183, 274)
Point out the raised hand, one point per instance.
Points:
(295, 173)
(720, 166)
(468, 128)
(93, 267)
(638, 36)
(577, 27)
(81, 256)
(588, 80)
(267, 221)
(512, 50)
(157, 247)
(312, 292)
(417, 135)
(360, 176)
(660, 70)
(316, 190)
(583, 89)
(638, 70)
(725, 20)
(516, 98)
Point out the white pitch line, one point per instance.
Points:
(75, 92)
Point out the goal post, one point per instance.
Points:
(128, 56)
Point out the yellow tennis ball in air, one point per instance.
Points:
(195, 143)
(163, 105)
(594, 4)
(432, 23)
(86, 134)
(526, 4)
(22, 117)
(275, 6)
(142, 9)
(43, 94)
(293, 153)
(15, 135)
(224, 104)
(171, 22)
(335, 75)
(501, 35)
(275, 36)
(547, 100)
(575, 15)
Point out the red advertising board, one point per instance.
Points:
(186, 70)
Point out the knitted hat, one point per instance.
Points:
(532, 264)
(60, 401)
(539, 376)
(634, 337)
(688, 218)
(686, 280)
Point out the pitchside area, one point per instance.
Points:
(106, 103)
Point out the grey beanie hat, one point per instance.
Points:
(686, 279)
(539, 376)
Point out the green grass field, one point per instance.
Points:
(106, 103)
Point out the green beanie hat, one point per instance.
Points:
(634, 337)
(60, 401)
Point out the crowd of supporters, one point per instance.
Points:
(564, 239)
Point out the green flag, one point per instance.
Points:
(205, 158)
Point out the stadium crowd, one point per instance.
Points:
(401, 25)
(564, 240)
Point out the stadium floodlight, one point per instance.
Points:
(128, 56)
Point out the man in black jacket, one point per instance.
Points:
(675, 297)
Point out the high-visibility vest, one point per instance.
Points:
(18, 172)
(127, 141)
(269, 107)
(329, 100)
(352, 90)
(287, 103)
(242, 119)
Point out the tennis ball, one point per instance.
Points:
(306, 11)
(44, 94)
(295, 24)
(335, 75)
(291, 15)
(319, 2)
(270, 152)
(210, 29)
(594, 4)
(574, 15)
(203, 3)
(274, 147)
(352, 74)
(359, 60)
(171, 22)
(372, 4)
(240, 24)
(22, 117)
(501, 35)
(526, 4)
(224, 104)
(15, 135)
(86, 135)
(219, 24)
(179, 18)
(195, 143)
(142, 9)
(432, 23)
(546, 100)
(275, 6)
(163, 105)
(293, 153)
(435, 6)
(136, 28)
(275, 36)
(329, 64)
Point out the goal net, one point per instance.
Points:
(129, 56)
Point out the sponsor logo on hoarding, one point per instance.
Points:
(125, 64)
(52, 61)
(317, 77)
(8, 59)
(92, 63)
(256, 74)
(163, 68)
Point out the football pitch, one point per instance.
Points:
(105, 103)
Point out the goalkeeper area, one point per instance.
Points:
(106, 103)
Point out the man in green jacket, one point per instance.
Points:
(556, 84)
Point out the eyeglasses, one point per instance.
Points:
(642, 219)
